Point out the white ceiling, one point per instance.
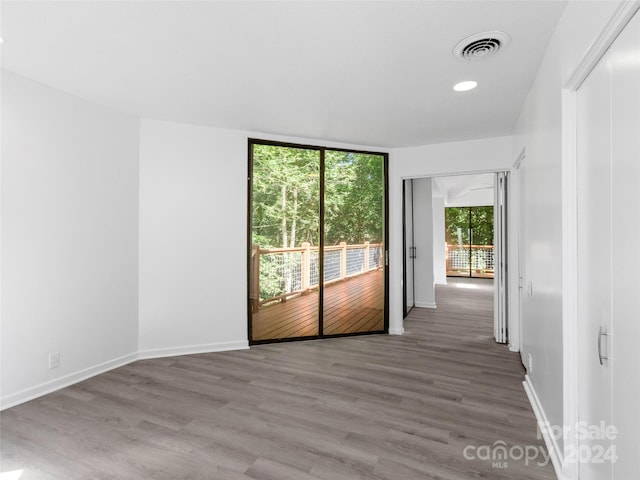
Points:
(375, 73)
(465, 190)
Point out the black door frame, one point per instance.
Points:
(412, 255)
(322, 150)
(470, 225)
(405, 310)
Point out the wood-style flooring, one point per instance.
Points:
(368, 407)
(353, 305)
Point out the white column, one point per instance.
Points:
(439, 242)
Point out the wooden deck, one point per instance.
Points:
(353, 305)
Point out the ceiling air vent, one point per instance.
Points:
(481, 45)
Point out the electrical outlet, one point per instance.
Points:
(54, 360)
(530, 362)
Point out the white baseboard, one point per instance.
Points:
(193, 349)
(544, 427)
(426, 304)
(514, 348)
(36, 391)
(396, 331)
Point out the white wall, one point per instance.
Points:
(69, 238)
(439, 242)
(423, 231)
(193, 227)
(475, 198)
(539, 130)
(193, 244)
(121, 239)
(473, 156)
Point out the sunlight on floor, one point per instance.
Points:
(466, 285)
(13, 475)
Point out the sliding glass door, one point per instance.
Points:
(285, 235)
(353, 243)
(469, 234)
(317, 242)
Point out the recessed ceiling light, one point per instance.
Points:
(464, 86)
(1, 40)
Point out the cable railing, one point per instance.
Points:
(473, 259)
(280, 273)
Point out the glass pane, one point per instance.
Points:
(482, 242)
(458, 255)
(285, 236)
(354, 243)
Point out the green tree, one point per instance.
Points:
(286, 197)
(286, 206)
(354, 198)
(286, 186)
(479, 219)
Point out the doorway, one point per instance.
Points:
(317, 235)
(456, 227)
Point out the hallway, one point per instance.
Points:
(456, 341)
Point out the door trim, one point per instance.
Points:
(405, 310)
(514, 257)
(501, 285)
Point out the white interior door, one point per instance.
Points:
(608, 167)
(594, 263)
(624, 65)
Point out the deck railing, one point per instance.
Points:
(479, 260)
(280, 273)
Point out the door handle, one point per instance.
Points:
(601, 333)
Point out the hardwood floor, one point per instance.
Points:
(353, 305)
(370, 407)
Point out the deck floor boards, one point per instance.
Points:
(353, 305)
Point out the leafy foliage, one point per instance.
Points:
(354, 198)
(479, 219)
(286, 189)
(286, 197)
